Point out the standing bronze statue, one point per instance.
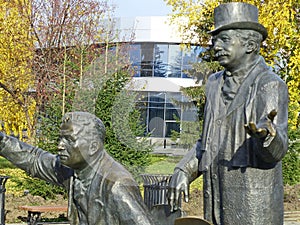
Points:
(244, 133)
(101, 191)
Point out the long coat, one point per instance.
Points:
(242, 175)
(113, 197)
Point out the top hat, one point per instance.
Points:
(237, 15)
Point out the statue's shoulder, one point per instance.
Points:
(216, 76)
(269, 76)
(269, 82)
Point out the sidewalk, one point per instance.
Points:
(169, 151)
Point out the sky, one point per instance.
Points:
(133, 8)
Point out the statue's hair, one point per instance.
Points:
(89, 123)
(250, 35)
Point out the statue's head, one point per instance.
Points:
(237, 35)
(82, 138)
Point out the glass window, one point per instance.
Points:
(172, 114)
(156, 122)
(160, 60)
(174, 61)
(172, 126)
(163, 112)
(147, 59)
(190, 114)
(190, 56)
(135, 58)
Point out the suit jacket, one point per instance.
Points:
(242, 175)
(112, 197)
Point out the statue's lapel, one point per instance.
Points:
(213, 94)
(243, 93)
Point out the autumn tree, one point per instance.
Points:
(67, 33)
(17, 105)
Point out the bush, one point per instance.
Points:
(291, 161)
(19, 182)
(115, 107)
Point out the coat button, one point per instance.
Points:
(206, 194)
(208, 140)
(219, 122)
(214, 148)
(214, 176)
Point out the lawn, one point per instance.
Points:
(4, 163)
(165, 165)
(162, 164)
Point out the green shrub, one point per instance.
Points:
(19, 182)
(115, 107)
(291, 161)
(4, 163)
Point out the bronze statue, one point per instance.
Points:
(101, 191)
(244, 133)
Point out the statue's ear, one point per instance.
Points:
(94, 147)
(251, 46)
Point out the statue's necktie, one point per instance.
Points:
(230, 87)
(80, 195)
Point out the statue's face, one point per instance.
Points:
(229, 50)
(73, 146)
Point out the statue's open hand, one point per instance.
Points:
(178, 183)
(263, 127)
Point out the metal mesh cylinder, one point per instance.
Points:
(155, 189)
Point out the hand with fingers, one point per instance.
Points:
(263, 127)
(179, 183)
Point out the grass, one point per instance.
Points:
(165, 165)
(162, 164)
(4, 163)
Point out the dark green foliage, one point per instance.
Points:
(48, 132)
(4, 163)
(39, 187)
(49, 119)
(291, 161)
(115, 107)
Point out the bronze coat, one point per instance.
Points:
(242, 175)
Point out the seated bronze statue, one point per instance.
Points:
(101, 191)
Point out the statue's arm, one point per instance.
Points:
(185, 172)
(130, 205)
(35, 161)
(189, 164)
(270, 131)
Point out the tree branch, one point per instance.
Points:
(12, 93)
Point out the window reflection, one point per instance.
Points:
(162, 60)
(162, 112)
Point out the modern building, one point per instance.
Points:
(160, 71)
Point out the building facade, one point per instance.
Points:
(160, 71)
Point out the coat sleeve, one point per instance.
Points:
(190, 162)
(130, 205)
(273, 94)
(35, 161)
